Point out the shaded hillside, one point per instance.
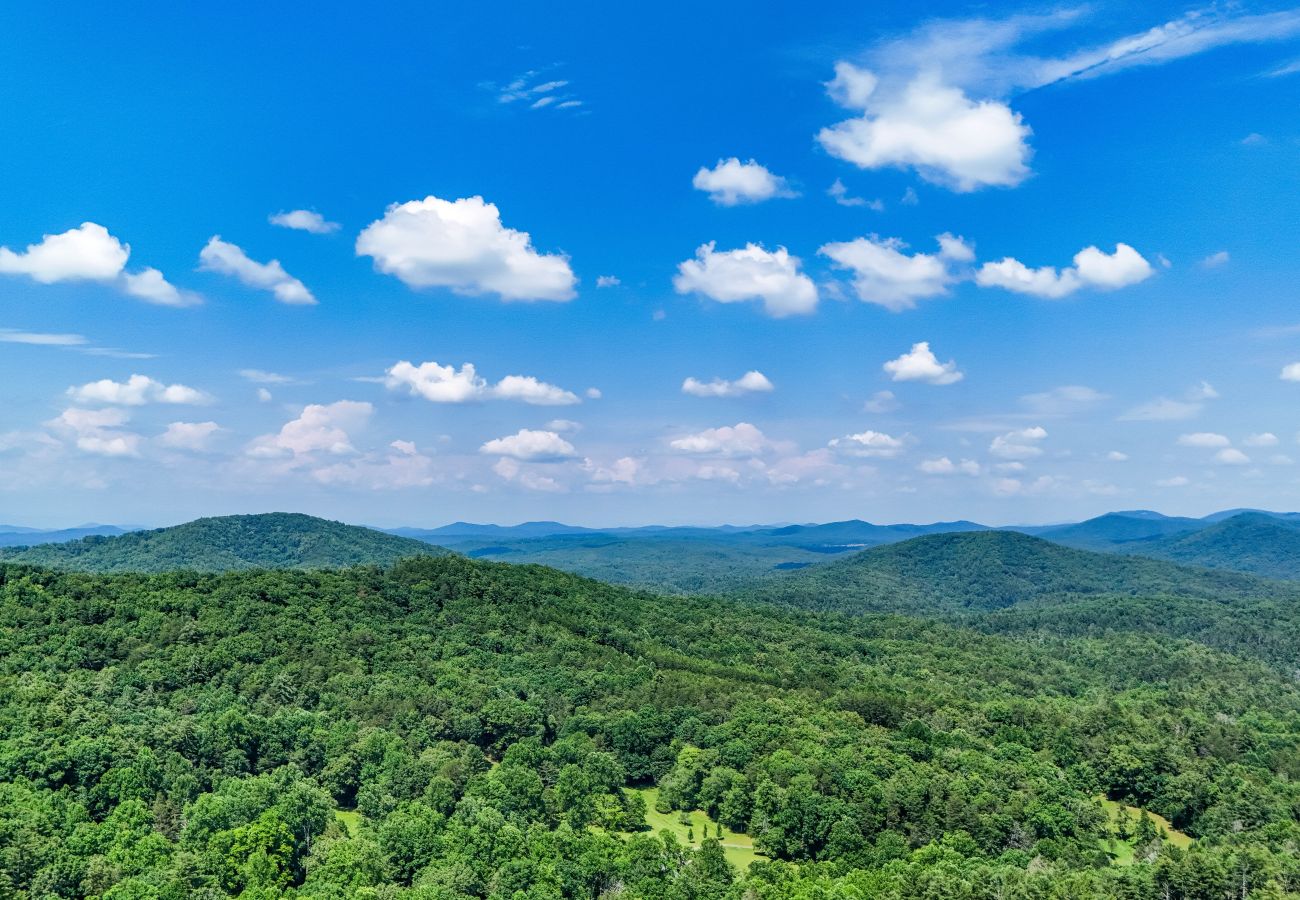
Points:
(30, 537)
(675, 565)
(1257, 543)
(228, 543)
(991, 570)
(1115, 530)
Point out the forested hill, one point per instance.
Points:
(229, 543)
(452, 729)
(988, 570)
(1247, 542)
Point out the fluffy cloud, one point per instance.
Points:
(752, 382)
(929, 126)
(740, 441)
(1231, 456)
(607, 281)
(884, 274)
(136, 391)
(439, 384)
(1092, 268)
(869, 443)
(533, 446)
(1175, 481)
(228, 259)
(751, 273)
(150, 285)
(1203, 439)
(732, 182)
(624, 470)
(98, 431)
(462, 245)
(320, 428)
(1216, 260)
(89, 253)
(402, 465)
(945, 466)
(1020, 444)
(527, 389)
(1290, 372)
(189, 435)
(304, 220)
(85, 253)
(920, 364)
(1116, 456)
(1263, 439)
(447, 384)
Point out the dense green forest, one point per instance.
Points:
(452, 728)
(228, 543)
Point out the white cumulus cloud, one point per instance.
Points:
(740, 440)
(136, 391)
(89, 253)
(527, 389)
(319, 428)
(927, 125)
(447, 384)
(98, 431)
(732, 182)
(304, 220)
(463, 246)
(885, 275)
(527, 444)
(1203, 439)
(945, 466)
(752, 382)
(1020, 444)
(751, 273)
(1231, 456)
(228, 259)
(194, 436)
(920, 364)
(869, 443)
(1093, 268)
(150, 285)
(85, 253)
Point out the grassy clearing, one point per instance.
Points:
(738, 848)
(1122, 850)
(350, 819)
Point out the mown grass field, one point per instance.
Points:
(739, 848)
(1121, 851)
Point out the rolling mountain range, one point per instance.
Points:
(680, 560)
(17, 536)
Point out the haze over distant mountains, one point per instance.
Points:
(684, 559)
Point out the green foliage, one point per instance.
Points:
(499, 731)
(229, 543)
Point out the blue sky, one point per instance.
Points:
(506, 242)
